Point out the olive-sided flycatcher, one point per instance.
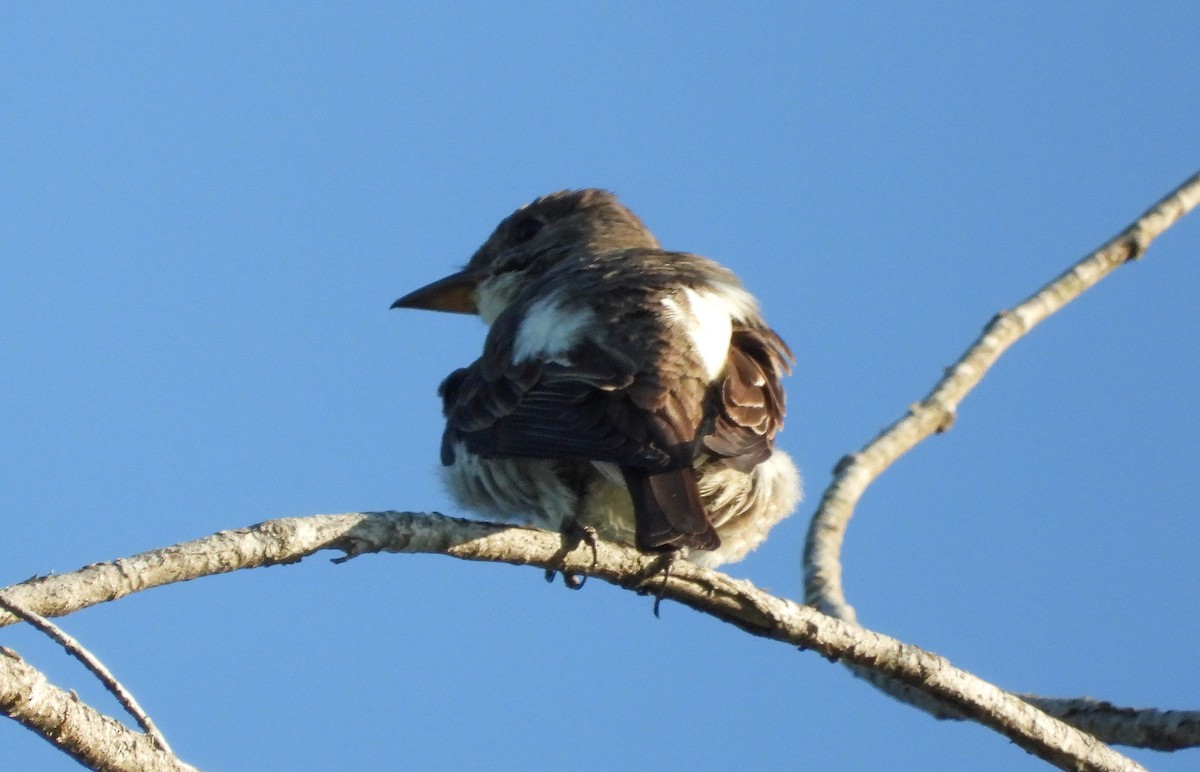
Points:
(622, 387)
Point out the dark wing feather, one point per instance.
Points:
(752, 402)
(551, 410)
(669, 511)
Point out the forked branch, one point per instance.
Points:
(935, 413)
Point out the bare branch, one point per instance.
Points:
(936, 412)
(91, 738)
(1162, 730)
(737, 602)
(92, 663)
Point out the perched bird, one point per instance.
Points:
(622, 387)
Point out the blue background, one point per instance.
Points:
(205, 210)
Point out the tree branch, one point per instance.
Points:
(1161, 730)
(86, 735)
(738, 602)
(92, 663)
(935, 414)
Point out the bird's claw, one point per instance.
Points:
(576, 534)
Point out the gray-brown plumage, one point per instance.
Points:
(622, 387)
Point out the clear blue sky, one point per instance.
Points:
(207, 209)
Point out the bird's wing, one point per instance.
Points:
(752, 402)
(537, 409)
(599, 407)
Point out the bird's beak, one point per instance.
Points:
(455, 293)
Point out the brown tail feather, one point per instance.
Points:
(668, 511)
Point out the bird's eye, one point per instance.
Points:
(526, 228)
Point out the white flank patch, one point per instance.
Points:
(549, 330)
(708, 321)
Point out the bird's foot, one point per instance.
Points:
(664, 565)
(576, 534)
(671, 557)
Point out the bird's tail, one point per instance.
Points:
(668, 510)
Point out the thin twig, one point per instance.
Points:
(92, 663)
(936, 412)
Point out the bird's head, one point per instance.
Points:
(529, 242)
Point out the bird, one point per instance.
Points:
(624, 389)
